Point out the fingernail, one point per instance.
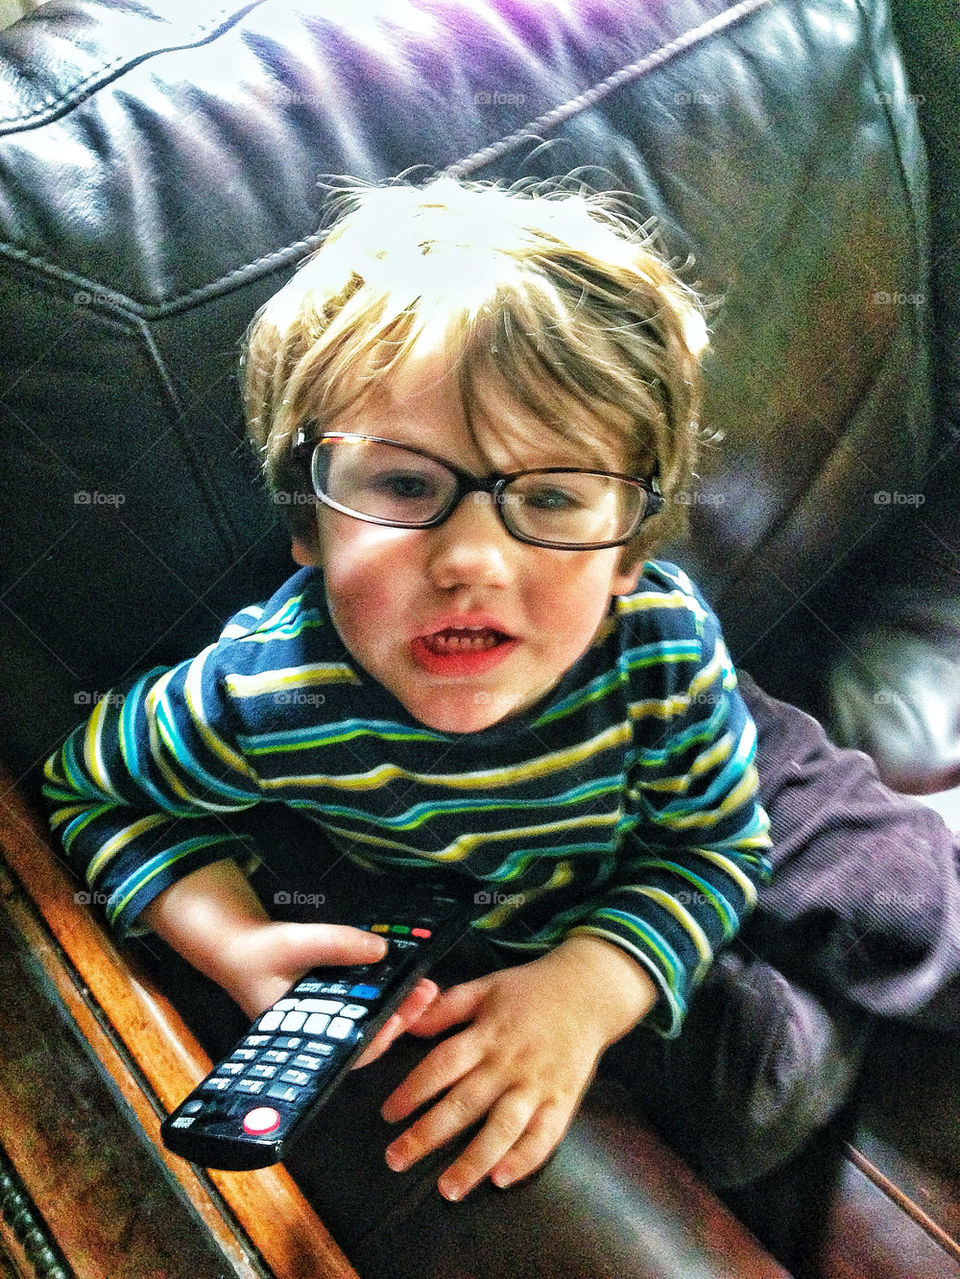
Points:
(501, 1180)
(395, 1161)
(450, 1190)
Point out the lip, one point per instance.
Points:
(462, 663)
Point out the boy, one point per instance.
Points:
(479, 408)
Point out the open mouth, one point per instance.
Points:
(462, 650)
(465, 639)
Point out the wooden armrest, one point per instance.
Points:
(145, 1051)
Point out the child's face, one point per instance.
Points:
(396, 595)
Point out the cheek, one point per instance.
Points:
(363, 569)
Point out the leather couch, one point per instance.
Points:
(163, 168)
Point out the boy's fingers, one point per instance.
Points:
(452, 1008)
(420, 998)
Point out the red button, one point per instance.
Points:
(262, 1119)
(419, 932)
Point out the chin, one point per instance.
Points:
(471, 714)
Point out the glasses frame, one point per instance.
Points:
(303, 452)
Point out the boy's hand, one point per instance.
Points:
(269, 958)
(214, 919)
(529, 1050)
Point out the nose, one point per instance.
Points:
(471, 547)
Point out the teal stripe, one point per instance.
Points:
(306, 738)
(124, 894)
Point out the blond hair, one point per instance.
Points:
(547, 294)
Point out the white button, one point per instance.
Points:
(293, 1021)
(270, 1021)
(316, 1024)
(356, 1011)
(262, 1119)
(319, 1005)
(340, 1028)
(285, 1004)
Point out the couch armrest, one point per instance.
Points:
(145, 1052)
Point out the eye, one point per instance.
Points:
(552, 497)
(404, 485)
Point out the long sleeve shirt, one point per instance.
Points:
(622, 805)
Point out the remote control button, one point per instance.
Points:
(260, 1121)
(260, 1071)
(284, 1092)
(321, 1050)
(293, 1021)
(308, 1063)
(274, 1054)
(316, 1023)
(217, 1083)
(319, 1005)
(340, 1028)
(243, 1054)
(421, 932)
(192, 1107)
(299, 1077)
(364, 992)
(251, 1085)
(256, 1041)
(379, 928)
(231, 1067)
(291, 1042)
(270, 1020)
(354, 1011)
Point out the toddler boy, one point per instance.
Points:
(479, 409)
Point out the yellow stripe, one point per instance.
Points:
(647, 600)
(717, 754)
(684, 918)
(495, 918)
(120, 840)
(92, 755)
(746, 885)
(662, 708)
(487, 779)
(746, 787)
(290, 677)
(193, 696)
(464, 845)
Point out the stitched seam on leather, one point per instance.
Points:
(35, 117)
(901, 1199)
(551, 119)
(616, 80)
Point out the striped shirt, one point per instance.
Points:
(622, 805)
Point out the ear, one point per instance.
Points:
(304, 554)
(624, 580)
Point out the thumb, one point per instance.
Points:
(309, 945)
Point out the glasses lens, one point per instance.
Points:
(570, 508)
(382, 481)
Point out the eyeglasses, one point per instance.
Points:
(383, 482)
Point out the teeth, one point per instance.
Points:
(463, 640)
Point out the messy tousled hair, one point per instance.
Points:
(547, 297)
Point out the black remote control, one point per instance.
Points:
(247, 1112)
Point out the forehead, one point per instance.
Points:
(440, 400)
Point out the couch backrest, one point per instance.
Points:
(162, 169)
